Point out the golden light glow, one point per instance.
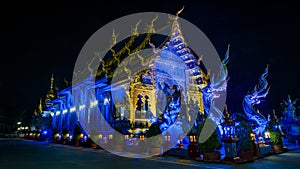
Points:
(93, 103)
(167, 137)
(192, 139)
(267, 134)
(81, 107)
(252, 135)
(65, 111)
(72, 109)
(57, 113)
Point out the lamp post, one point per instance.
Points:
(167, 141)
(192, 138)
(193, 149)
(229, 138)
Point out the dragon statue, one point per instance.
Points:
(253, 98)
(213, 91)
(290, 122)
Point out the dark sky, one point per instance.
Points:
(40, 38)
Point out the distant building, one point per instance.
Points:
(6, 126)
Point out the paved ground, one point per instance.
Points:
(22, 154)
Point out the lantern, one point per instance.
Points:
(167, 137)
(142, 136)
(126, 136)
(267, 135)
(252, 135)
(110, 136)
(229, 138)
(228, 126)
(192, 138)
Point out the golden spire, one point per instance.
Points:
(275, 116)
(227, 116)
(50, 93)
(51, 84)
(34, 113)
(40, 106)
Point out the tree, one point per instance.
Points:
(77, 133)
(212, 143)
(118, 137)
(243, 132)
(275, 134)
(153, 131)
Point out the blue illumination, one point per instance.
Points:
(85, 137)
(254, 98)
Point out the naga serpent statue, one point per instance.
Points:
(214, 90)
(253, 98)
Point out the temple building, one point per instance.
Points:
(160, 93)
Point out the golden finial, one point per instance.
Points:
(66, 82)
(114, 39)
(275, 116)
(51, 84)
(226, 112)
(135, 29)
(179, 12)
(40, 105)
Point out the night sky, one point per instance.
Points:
(40, 38)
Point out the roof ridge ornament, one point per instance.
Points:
(179, 12)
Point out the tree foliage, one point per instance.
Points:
(243, 132)
(212, 143)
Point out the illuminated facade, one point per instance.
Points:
(172, 85)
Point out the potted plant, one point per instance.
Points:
(154, 139)
(77, 133)
(93, 139)
(276, 139)
(211, 145)
(55, 132)
(275, 136)
(91, 143)
(64, 135)
(118, 139)
(245, 143)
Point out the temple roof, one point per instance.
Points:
(177, 45)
